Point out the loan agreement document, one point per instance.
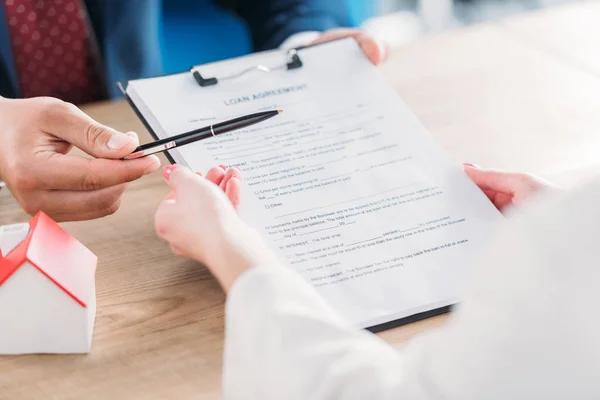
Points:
(345, 183)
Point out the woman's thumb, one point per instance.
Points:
(178, 177)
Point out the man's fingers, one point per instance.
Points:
(339, 33)
(72, 125)
(82, 216)
(64, 205)
(375, 51)
(69, 172)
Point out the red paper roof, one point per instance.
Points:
(57, 255)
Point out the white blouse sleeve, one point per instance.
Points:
(529, 327)
(283, 342)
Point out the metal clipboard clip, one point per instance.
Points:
(293, 62)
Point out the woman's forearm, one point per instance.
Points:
(284, 342)
(238, 249)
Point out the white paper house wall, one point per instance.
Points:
(47, 292)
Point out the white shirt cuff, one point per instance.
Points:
(300, 39)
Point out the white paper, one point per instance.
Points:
(11, 236)
(346, 184)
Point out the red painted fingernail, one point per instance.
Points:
(167, 171)
(199, 173)
(470, 165)
(224, 168)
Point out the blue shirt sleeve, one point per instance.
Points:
(273, 21)
(8, 73)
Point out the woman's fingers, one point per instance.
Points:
(499, 199)
(505, 182)
(177, 251)
(233, 191)
(171, 195)
(183, 175)
(166, 215)
(231, 172)
(216, 175)
(505, 188)
(228, 181)
(492, 180)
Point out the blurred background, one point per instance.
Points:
(396, 21)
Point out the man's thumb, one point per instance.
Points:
(74, 126)
(102, 141)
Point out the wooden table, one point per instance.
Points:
(570, 33)
(497, 95)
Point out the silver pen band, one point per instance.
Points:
(151, 150)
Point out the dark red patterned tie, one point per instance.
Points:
(52, 52)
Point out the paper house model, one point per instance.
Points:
(47, 290)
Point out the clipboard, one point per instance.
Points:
(292, 60)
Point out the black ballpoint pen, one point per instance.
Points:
(202, 133)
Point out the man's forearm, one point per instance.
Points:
(273, 21)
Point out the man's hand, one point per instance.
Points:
(376, 51)
(36, 136)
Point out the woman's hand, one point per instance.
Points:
(506, 189)
(199, 220)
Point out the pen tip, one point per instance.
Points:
(279, 111)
